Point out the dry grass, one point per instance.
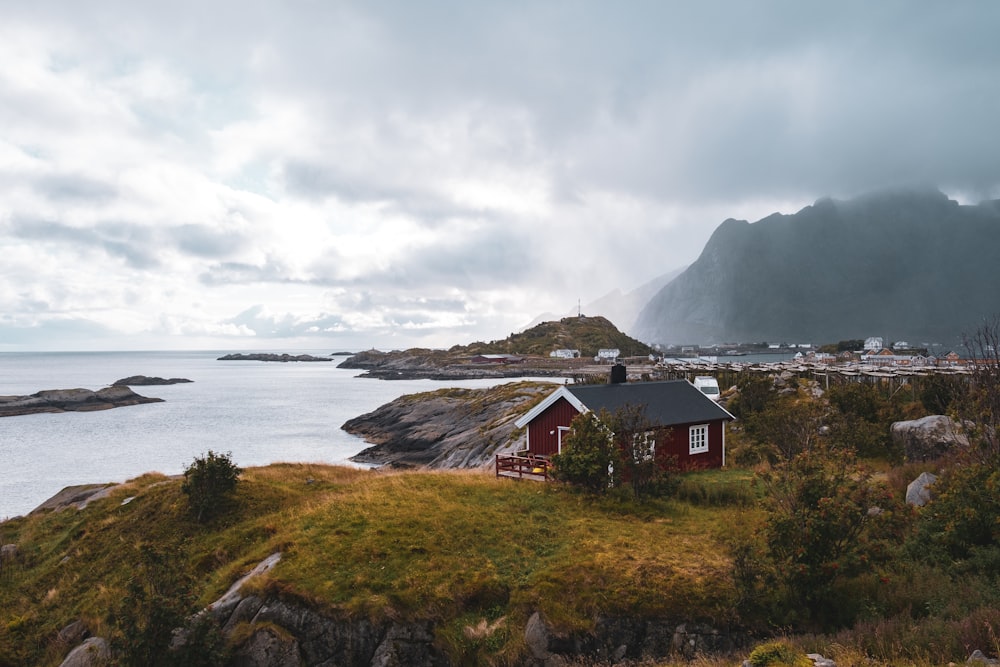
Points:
(456, 548)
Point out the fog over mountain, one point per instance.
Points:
(904, 263)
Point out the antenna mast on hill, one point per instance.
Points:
(579, 312)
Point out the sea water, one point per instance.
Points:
(261, 412)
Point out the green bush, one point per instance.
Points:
(827, 525)
(587, 455)
(778, 654)
(209, 483)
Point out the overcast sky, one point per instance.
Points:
(339, 175)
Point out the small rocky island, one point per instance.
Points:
(147, 381)
(272, 357)
(71, 400)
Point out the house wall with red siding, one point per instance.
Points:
(678, 446)
(543, 431)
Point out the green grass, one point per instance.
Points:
(459, 549)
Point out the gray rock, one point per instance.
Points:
(918, 492)
(8, 552)
(536, 636)
(980, 658)
(232, 597)
(819, 661)
(267, 647)
(405, 644)
(74, 633)
(77, 496)
(927, 438)
(93, 652)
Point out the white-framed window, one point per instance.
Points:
(698, 439)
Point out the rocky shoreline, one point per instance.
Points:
(447, 428)
(419, 364)
(71, 400)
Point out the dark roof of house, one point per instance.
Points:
(666, 403)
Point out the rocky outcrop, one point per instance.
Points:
(93, 652)
(279, 633)
(927, 438)
(71, 400)
(616, 640)
(78, 496)
(419, 364)
(448, 428)
(272, 357)
(145, 380)
(275, 632)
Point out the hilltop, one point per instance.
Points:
(532, 346)
(588, 334)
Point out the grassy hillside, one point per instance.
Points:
(587, 334)
(454, 548)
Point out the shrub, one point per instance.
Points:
(209, 482)
(827, 524)
(587, 455)
(778, 654)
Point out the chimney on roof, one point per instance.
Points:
(618, 374)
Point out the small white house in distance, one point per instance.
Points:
(564, 354)
(873, 343)
(608, 354)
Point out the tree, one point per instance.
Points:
(943, 394)
(983, 408)
(587, 458)
(786, 426)
(209, 482)
(634, 440)
(611, 449)
(861, 419)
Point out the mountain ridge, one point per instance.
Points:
(891, 262)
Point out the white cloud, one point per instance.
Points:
(442, 171)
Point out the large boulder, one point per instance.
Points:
(928, 438)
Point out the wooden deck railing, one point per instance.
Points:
(522, 466)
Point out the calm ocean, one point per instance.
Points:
(261, 412)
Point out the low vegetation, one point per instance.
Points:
(586, 334)
(455, 548)
(805, 538)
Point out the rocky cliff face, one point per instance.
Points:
(448, 428)
(908, 264)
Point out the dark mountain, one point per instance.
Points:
(907, 264)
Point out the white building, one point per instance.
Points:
(608, 354)
(873, 344)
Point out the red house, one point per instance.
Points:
(697, 424)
